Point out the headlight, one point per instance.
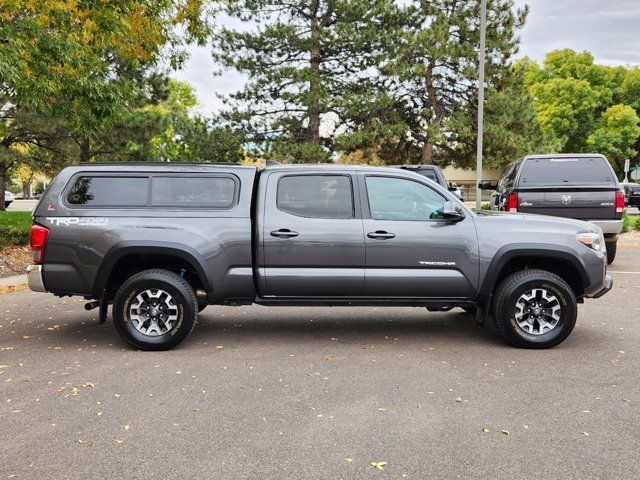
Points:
(593, 240)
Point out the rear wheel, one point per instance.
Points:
(534, 309)
(155, 310)
(612, 247)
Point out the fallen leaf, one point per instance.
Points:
(485, 429)
(24, 337)
(119, 442)
(506, 432)
(127, 427)
(219, 347)
(526, 427)
(349, 459)
(378, 465)
(89, 385)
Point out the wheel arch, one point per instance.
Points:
(556, 259)
(123, 249)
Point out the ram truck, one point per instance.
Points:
(159, 242)
(571, 185)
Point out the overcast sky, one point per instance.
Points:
(609, 29)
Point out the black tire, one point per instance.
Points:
(509, 292)
(612, 247)
(183, 296)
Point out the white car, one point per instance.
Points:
(8, 198)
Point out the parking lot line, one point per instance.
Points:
(633, 273)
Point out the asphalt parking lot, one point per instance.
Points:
(306, 393)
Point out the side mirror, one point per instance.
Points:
(453, 186)
(452, 212)
(487, 185)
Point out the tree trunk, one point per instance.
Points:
(314, 82)
(427, 147)
(3, 183)
(427, 152)
(26, 189)
(85, 150)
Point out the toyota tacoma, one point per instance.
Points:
(159, 242)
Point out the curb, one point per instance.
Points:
(15, 280)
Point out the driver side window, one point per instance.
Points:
(401, 199)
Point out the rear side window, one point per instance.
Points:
(508, 176)
(566, 171)
(213, 192)
(316, 196)
(109, 191)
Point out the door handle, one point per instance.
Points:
(381, 234)
(284, 233)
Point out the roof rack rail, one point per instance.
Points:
(270, 163)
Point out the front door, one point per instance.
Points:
(411, 251)
(311, 235)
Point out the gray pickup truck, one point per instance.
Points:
(572, 185)
(159, 242)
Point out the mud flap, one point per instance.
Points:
(104, 306)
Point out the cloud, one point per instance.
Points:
(609, 30)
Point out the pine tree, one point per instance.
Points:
(309, 65)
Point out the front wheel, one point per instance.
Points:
(534, 309)
(612, 247)
(155, 310)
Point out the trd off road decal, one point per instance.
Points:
(80, 221)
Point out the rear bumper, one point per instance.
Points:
(608, 284)
(34, 278)
(608, 226)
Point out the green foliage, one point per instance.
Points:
(424, 106)
(630, 222)
(616, 131)
(77, 68)
(585, 106)
(307, 62)
(511, 128)
(15, 228)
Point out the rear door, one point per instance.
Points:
(311, 236)
(573, 187)
(411, 252)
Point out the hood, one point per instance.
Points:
(528, 219)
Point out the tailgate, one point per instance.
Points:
(571, 202)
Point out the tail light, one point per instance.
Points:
(619, 202)
(38, 241)
(512, 202)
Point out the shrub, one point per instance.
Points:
(15, 228)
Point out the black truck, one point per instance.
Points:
(159, 242)
(570, 185)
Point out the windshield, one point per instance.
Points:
(566, 171)
(430, 174)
